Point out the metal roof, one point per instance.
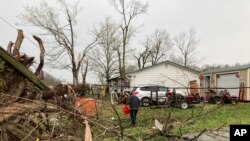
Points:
(168, 62)
(227, 69)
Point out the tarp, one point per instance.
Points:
(86, 106)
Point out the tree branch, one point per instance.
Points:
(42, 51)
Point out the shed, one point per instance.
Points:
(230, 78)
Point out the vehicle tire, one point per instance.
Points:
(184, 105)
(145, 102)
(217, 100)
(233, 101)
(211, 100)
(198, 98)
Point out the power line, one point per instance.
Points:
(12, 26)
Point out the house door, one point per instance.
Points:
(207, 84)
(229, 81)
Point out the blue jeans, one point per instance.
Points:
(133, 113)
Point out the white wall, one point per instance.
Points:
(164, 74)
(248, 83)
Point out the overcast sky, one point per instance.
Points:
(223, 26)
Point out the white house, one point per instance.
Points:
(167, 73)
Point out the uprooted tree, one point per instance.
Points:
(30, 110)
(17, 85)
(12, 82)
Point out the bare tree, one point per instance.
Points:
(84, 71)
(131, 68)
(160, 45)
(176, 59)
(59, 24)
(50, 80)
(142, 58)
(104, 55)
(128, 11)
(186, 44)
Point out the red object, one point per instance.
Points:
(135, 92)
(125, 109)
(241, 92)
(169, 94)
(86, 106)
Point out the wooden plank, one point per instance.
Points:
(22, 69)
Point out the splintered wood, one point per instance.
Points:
(17, 108)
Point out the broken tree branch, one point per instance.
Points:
(9, 48)
(88, 135)
(18, 43)
(42, 50)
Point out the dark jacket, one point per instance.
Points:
(133, 102)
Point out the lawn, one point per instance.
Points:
(196, 118)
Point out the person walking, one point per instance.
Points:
(134, 104)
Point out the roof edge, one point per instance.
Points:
(167, 62)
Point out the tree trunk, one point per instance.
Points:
(9, 48)
(123, 58)
(75, 77)
(85, 73)
(185, 60)
(42, 50)
(120, 62)
(18, 43)
(22, 69)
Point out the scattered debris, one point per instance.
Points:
(30, 110)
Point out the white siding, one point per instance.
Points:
(248, 84)
(164, 74)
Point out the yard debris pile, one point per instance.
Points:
(25, 111)
(16, 81)
(30, 110)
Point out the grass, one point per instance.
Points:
(197, 118)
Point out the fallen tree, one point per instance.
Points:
(30, 110)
